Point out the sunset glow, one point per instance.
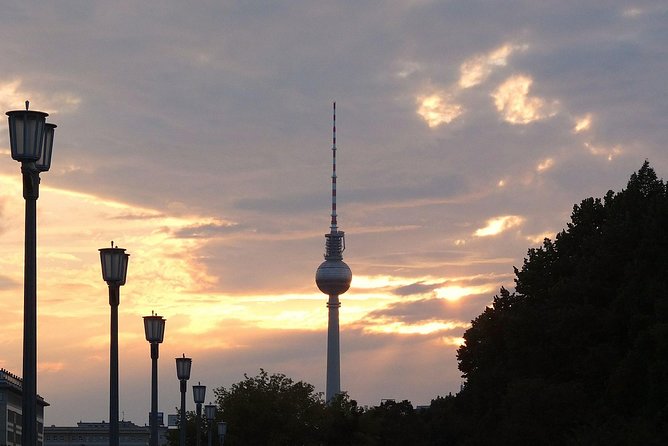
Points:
(514, 103)
(498, 225)
(198, 136)
(437, 109)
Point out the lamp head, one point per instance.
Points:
(199, 393)
(183, 368)
(114, 265)
(210, 412)
(26, 134)
(154, 328)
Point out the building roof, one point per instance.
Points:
(14, 383)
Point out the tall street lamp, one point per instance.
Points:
(183, 374)
(114, 271)
(31, 140)
(199, 394)
(154, 328)
(210, 411)
(222, 431)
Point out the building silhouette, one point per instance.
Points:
(11, 420)
(333, 278)
(97, 434)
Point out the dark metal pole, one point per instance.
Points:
(210, 432)
(114, 300)
(29, 400)
(154, 393)
(182, 418)
(198, 408)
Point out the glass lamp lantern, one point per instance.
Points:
(26, 134)
(199, 393)
(114, 265)
(154, 328)
(210, 412)
(43, 164)
(183, 366)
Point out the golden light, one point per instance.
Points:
(424, 328)
(437, 109)
(454, 293)
(497, 225)
(583, 123)
(538, 238)
(453, 341)
(512, 100)
(609, 152)
(545, 165)
(478, 68)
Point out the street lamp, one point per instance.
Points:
(183, 374)
(199, 393)
(154, 328)
(114, 271)
(31, 141)
(222, 431)
(210, 411)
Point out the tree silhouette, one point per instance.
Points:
(578, 354)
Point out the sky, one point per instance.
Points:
(197, 135)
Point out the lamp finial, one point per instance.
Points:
(27, 104)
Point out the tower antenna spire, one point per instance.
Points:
(334, 223)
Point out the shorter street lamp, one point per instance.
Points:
(222, 431)
(210, 411)
(183, 374)
(114, 271)
(154, 328)
(199, 393)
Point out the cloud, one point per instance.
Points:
(454, 293)
(582, 123)
(513, 102)
(438, 108)
(477, 69)
(497, 225)
(415, 289)
(207, 230)
(8, 283)
(608, 152)
(544, 165)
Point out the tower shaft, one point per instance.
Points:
(333, 349)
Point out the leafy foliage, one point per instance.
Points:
(578, 354)
(270, 410)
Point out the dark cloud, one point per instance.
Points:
(208, 231)
(7, 283)
(414, 288)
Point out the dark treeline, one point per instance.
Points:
(577, 355)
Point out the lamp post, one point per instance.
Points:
(199, 393)
(31, 140)
(183, 374)
(154, 328)
(114, 262)
(222, 431)
(210, 411)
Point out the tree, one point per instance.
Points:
(578, 354)
(270, 410)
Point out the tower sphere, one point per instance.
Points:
(333, 277)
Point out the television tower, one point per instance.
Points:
(333, 278)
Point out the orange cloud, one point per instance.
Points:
(438, 108)
(497, 225)
(512, 100)
(478, 68)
